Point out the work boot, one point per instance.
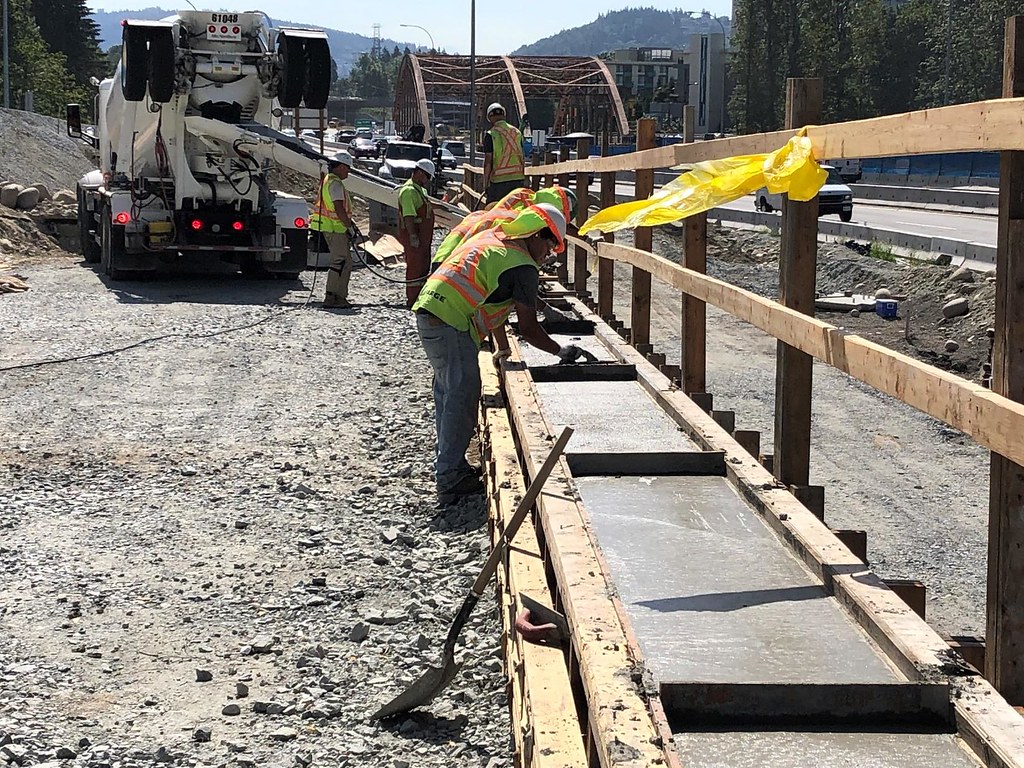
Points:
(334, 301)
(467, 486)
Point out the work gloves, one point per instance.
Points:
(570, 353)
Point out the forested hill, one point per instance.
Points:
(631, 28)
(345, 46)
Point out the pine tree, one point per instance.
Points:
(35, 68)
(67, 27)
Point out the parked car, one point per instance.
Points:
(457, 148)
(401, 157)
(344, 135)
(361, 146)
(834, 197)
(448, 159)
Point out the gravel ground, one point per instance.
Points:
(222, 548)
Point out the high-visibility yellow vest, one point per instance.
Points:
(472, 225)
(457, 291)
(507, 160)
(325, 218)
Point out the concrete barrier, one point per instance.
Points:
(955, 198)
(970, 251)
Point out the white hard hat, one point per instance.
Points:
(495, 108)
(554, 216)
(427, 167)
(342, 157)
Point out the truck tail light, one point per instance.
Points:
(122, 218)
(237, 226)
(197, 224)
(300, 223)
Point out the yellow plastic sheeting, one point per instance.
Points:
(791, 170)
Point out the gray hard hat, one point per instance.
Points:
(342, 158)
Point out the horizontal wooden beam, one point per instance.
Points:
(680, 463)
(994, 421)
(798, 706)
(981, 126)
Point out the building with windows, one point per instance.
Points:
(665, 79)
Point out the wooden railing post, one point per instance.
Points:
(1004, 657)
(606, 267)
(640, 313)
(693, 329)
(579, 278)
(797, 263)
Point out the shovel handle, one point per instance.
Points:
(522, 510)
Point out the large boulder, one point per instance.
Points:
(956, 308)
(65, 197)
(9, 195)
(962, 275)
(44, 191)
(27, 199)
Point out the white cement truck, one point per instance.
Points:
(186, 133)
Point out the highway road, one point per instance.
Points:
(975, 228)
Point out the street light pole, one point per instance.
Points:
(417, 26)
(472, 82)
(949, 47)
(7, 57)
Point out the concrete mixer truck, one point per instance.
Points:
(187, 130)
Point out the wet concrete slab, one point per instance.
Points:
(785, 749)
(712, 594)
(611, 417)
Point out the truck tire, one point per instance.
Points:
(765, 205)
(318, 74)
(112, 248)
(161, 65)
(846, 216)
(134, 55)
(90, 248)
(292, 54)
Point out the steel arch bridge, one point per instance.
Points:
(581, 86)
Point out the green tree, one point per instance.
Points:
(35, 68)
(67, 27)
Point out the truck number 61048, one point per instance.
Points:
(225, 18)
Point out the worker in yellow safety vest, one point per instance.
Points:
(332, 217)
(498, 268)
(505, 209)
(504, 162)
(416, 228)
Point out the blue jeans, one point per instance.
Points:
(453, 356)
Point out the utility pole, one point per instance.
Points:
(472, 82)
(7, 57)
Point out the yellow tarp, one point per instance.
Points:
(791, 169)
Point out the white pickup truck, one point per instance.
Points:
(833, 198)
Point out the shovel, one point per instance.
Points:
(435, 679)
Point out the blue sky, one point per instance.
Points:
(500, 26)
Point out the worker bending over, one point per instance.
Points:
(499, 269)
(416, 228)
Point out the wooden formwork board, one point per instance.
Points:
(545, 724)
(993, 729)
(626, 726)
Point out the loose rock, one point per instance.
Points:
(956, 308)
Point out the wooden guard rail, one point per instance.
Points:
(993, 418)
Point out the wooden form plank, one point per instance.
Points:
(980, 126)
(627, 726)
(797, 263)
(987, 723)
(992, 420)
(643, 237)
(1005, 601)
(545, 725)
(660, 463)
(797, 706)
